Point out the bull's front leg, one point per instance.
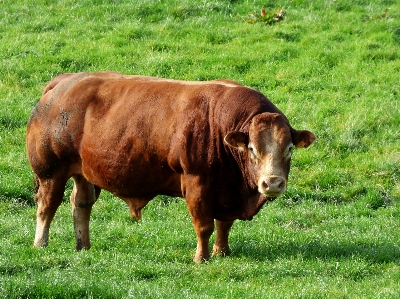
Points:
(201, 209)
(221, 245)
(204, 227)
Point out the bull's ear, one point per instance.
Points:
(238, 140)
(303, 138)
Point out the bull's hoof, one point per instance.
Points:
(221, 251)
(40, 244)
(80, 245)
(198, 259)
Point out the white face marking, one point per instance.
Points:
(272, 179)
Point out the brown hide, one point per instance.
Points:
(138, 137)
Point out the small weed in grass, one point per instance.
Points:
(267, 17)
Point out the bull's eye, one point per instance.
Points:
(289, 150)
(252, 153)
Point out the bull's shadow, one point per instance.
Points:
(373, 253)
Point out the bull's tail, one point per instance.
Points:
(36, 185)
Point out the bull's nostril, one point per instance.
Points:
(272, 185)
(281, 184)
(265, 185)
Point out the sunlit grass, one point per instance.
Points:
(331, 66)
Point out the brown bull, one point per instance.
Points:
(224, 147)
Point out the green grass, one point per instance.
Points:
(332, 66)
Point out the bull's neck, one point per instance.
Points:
(243, 178)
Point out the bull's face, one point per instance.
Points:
(268, 149)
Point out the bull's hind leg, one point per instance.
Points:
(83, 196)
(49, 197)
(221, 245)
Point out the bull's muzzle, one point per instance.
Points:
(272, 186)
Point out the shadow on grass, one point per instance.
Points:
(24, 198)
(373, 253)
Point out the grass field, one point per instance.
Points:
(332, 66)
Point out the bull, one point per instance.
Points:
(223, 147)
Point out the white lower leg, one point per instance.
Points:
(42, 235)
(82, 198)
(81, 218)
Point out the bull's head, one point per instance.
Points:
(268, 147)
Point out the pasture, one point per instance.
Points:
(332, 66)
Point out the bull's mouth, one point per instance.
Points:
(273, 195)
(271, 198)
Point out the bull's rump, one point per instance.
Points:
(130, 135)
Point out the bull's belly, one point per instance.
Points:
(127, 182)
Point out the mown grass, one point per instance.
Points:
(332, 67)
